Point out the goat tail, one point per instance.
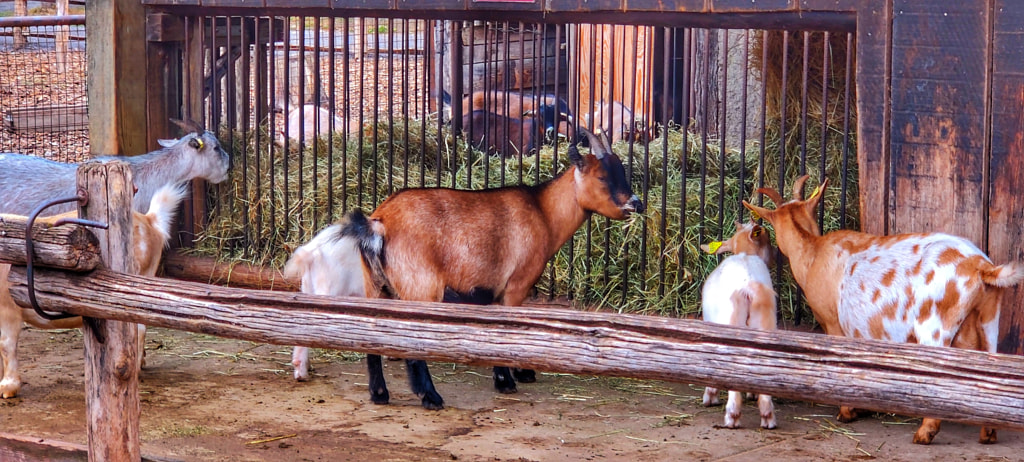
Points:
(164, 206)
(1006, 275)
(371, 246)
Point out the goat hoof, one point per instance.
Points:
(9, 389)
(988, 436)
(846, 414)
(432, 401)
(524, 375)
(380, 396)
(924, 437)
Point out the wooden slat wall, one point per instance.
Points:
(1006, 207)
(604, 49)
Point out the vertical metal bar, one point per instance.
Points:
(782, 119)
(741, 210)
(687, 92)
(287, 101)
(722, 144)
(803, 102)
(376, 108)
(847, 84)
(407, 95)
(765, 44)
(346, 90)
(825, 58)
(391, 102)
(704, 135)
(332, 97)
(303, 140)
(360, 60)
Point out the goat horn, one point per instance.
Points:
(773, 195)
(798, 187)
(188, 125)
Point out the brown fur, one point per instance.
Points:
(818, 266)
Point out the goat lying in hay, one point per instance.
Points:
(928, 288)
(151, 232)
(28, 181)
(739, 293)
(480, 247)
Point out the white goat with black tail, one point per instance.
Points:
(326, 265)
(739, 293)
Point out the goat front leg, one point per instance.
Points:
(927, 431)
(422, 384)
(300, 361)
(378, 386)
(9, 332)
(847, 414)
(767, 408)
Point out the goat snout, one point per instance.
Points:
(634, 205)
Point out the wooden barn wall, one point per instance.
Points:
(1006, 207)
(940, 101)
(956, 127)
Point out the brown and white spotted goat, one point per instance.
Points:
(481, 247)
(928, 288)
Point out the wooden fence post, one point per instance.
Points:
(111, 348)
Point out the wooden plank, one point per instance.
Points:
(1006, 209)
(873, 70)
(240, 274)
(59, 118)
(598, 67)
(814, 367)
(942, 153)
(111, 347)
(116, 35)
(20, 448)
(747, 6)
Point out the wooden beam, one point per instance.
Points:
(70, 247)
(116, 38)
(907, 379)
(20, 448)
(111, 347)
(231, 274)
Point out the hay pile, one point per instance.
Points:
(648, 264)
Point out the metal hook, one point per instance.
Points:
(82, 197)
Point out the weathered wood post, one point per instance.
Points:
(111, 348)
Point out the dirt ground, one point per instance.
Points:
(211, 399)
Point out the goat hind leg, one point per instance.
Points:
(503, 381)
(422, 385)
(524, 375)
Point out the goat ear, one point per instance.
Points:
(167, 143)
(717, 247)
(575, 157)
(196, 143)
(817, 194)
(597, 146)
(759, 212)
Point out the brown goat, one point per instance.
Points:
(927, 288)
(481, 247)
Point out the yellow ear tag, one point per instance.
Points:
(713, 246)
(756, 232)
(754, 215)
(199, 141)
(816, 192)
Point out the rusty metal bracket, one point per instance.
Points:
(82, 197)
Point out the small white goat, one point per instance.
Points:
(927, 288)
(327, 265)
(151, 232)
(309, 121)
(739, 293)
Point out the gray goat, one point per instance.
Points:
(27, 181)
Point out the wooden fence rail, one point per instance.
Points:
(958, 385)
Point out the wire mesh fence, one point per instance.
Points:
(43, 97)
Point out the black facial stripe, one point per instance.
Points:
(615, 180)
